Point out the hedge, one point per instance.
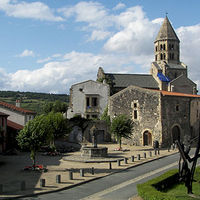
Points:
(152, 190)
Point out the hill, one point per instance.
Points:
(32, 100)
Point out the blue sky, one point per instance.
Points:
(46, 46)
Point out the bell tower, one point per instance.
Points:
(167, 44)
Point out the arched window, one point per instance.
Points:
(161, 56)
(164, 57)
(169, 46)
(161, 47)
(173, 56)
(172, 47)
(155, 57)
(156, 48)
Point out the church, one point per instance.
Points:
(163, 104)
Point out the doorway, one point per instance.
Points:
(175, 134)
(147, 139)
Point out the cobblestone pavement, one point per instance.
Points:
(12, 174)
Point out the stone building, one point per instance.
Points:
(158, 115)
(167, 72)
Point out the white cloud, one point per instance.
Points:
(99, 35)
(119, 6)
(44, 60)
(34, 10)
(26, 53)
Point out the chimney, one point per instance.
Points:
(18, 103)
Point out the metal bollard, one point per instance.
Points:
(58, 178)
(132, 158)
(23, 186)
(42, 182)
(145, 155)
(1, 189)
(92, 170)
(125, 160)
(110, 165)
(138, 157)
(118, 162)
(82, 172)
(70, 175)
(150, 153)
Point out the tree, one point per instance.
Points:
(106, 117)
(55, 107)
(33, 135)
(57, 126)
(121, 127)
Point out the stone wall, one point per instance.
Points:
(143, 106)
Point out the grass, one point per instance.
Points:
(180, 191)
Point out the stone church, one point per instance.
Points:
(164, 104)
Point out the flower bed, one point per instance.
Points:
(35, 168)
(51, 153)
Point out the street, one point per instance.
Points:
(121, 185)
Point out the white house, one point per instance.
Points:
(88, 99)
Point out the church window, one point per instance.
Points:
(169, 46)
(163, 46)
(155, 57)
(161, 56)
(164, 57)
(173, 56)
(177, 108)
(135, 114)
(156, 48)
(135, 105)
(172, 48)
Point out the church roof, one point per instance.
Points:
(166, 32)
(140, 80)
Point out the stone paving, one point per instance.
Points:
(12, 174)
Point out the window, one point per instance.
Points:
(161, 56)
(177, 108)
(94, 116)
(135, 114)
(88, 102)
(94, 101)
(155, 57)
(163, 46)
(164, 57)
(173, 56)
(135, 105)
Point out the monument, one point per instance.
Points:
(94, 151)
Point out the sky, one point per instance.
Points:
(46, 46)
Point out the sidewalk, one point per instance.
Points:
(12, 174)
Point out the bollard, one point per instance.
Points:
(23, 186)
(1, 189)
(118, 162)
(145, 155)
(138, 157)
(132, 158)
(92, 170)
(58, 178)
(150, 153)
(82, 172)
(158, 152)
(110, 165)
(42, 182)
(70, 175)
(125, 160)
(155, 152)
(168, 149)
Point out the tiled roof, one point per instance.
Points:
(167, 93)
(14, 125)
(139, 80)
(3, 114)
(7, 105)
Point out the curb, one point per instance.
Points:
(87, 181)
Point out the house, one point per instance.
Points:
(167, 72)
(14, 120)
(17, 114)
(158, 115)
(88, 99)
(3, 131)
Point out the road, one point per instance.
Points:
(121, 185)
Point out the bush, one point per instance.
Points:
(152, 190)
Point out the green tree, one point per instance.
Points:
(33, 135)
(108, 81)
(106, 117)
(57, 127)
(80, 122)
(121, 127)
(55, 107)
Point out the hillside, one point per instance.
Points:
(32, 100)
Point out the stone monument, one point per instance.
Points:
(94, 151)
